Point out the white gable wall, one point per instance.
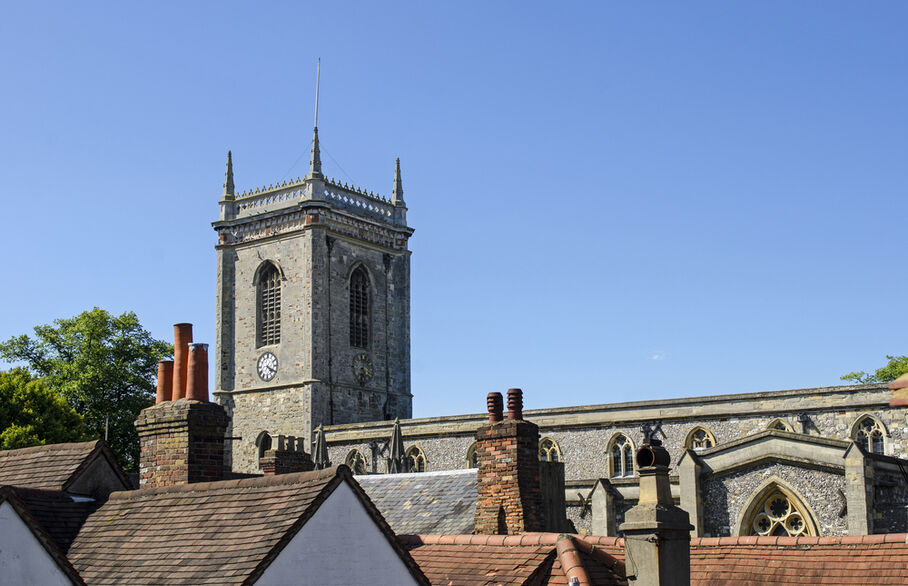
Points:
(340, 545)
(23, 560)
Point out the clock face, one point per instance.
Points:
(267, 366)
(362, 368)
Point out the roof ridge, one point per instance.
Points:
(571, 564)
(53, 447)
(455, 472)
(766, 540)
(276, 480)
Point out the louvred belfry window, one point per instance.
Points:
(359, 309)
(269, 330)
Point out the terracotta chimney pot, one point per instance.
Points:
(165, 381)
(515, 404)
(494, 405)
(197, 382)
(182, 336)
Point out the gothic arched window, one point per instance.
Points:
(356, 462)
(359, 308)
(269, 306)
(549, 450)
(472, 457)
(699, 438)
(621, 456)
(263, 443)
(776, 512)
(780, 425)
(868, 432)
(415, 459)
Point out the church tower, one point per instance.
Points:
(313, 308)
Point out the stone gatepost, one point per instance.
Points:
(656, 532)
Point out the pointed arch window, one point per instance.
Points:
(549, 450)
(775, 512)
(359, 308)
(869, 434)
(415, 459)
(356, 462)
(473, 457)
(269, 306)
(263, 444)
(780, 425)
(700, 438)
(621, 456)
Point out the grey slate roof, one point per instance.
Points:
(49, 467)
(425, 502)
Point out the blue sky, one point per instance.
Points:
(612, 201)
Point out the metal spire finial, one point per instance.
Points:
(397, 195)
(228, 178)
(315, 163)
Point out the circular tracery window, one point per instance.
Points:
(778, 517)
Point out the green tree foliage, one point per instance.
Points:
(897, 366)
(105, 367)
(31, 414)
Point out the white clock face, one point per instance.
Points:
(267, 366)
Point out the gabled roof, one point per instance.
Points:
(224, 532)
(11, 495)
(57, 513)
(529, 558)
(425, 502)
(54, 466)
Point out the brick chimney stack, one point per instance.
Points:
(656, 532)
(510, 497)
(182, 439)
(288, 457)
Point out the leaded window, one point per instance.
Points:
(777, 515)
(415, 459)
(869, 435)
(621, 457)
(700, 438)
(269, 306)
(473, 456)
(356, 462)
(549, 450)
(359, 308)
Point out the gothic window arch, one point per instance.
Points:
(775, 510)
(779, 425)
(360, 309)
(472, 457)
(262, 444)
(356, 461)
(869, 433)
(415, 459)
(620, 456)
(699, 438)
(549, 450)
(268, 305)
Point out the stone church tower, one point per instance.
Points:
(313, 308)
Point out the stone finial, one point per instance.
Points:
(515, 404)
(315, 163)
(228, 178)
(494, 405)
(397, 195)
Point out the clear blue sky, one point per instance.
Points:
(612, 201)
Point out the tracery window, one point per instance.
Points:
(269, 306)
(621, 456)
(359, 308)
(356, 462)
(549, 450)
(778, 514)
(700, 438)
(415, 459)
(869, 433)
(780, 425)
(473, 457)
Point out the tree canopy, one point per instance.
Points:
(31, 414)
(896, 367)
(103, 365)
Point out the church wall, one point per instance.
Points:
(726, 497)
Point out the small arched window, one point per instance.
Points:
(549, 450)
(359, 308)
(779, 425)
(269, 306)
(263, 444)
(472, 457)
(621, 456)
(415, 459)
(699, 438)
(869, 433)
(356, 462)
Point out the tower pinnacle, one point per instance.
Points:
(398, 192)
(315, 163)
(228, 178)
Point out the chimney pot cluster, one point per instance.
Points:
(187, 374)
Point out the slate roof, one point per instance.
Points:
(50, 467)
(425, 502)
(224, 532)
(56, 512)
(529, 558)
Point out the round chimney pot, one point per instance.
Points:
(515, 404)
(494, 405)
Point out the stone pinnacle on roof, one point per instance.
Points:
(315, 163)
(396, 452)
(228, 178)
(398, 192)
(320, 451)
